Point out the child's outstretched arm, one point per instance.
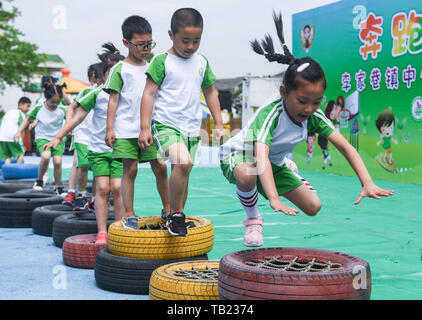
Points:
(369, 189)
(21, 128)
(213, 104)
(70, 124)
(265, 174)
(113, 103)
(147, 104)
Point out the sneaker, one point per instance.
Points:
(102, 238)
(253, 233)
(91, 206)
(130, 223)
(176, 224)
(164, 215)
(81, 203)
(60, 191)
(38, 185)
(69, 200)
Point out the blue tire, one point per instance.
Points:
(20, 171)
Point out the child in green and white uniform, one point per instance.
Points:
(171, 100)
(125, 85)
(254, 158)
(49, 119)
(9, 126)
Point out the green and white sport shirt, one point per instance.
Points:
(129, 81)
(96, 102)
(271, 125)
(49, 122)
(82, 132)
(10, 125)
(178, 99)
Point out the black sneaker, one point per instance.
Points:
(38, 185)
(60, 191)
(176, 224)
(164, 216)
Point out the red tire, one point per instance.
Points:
(80, 251)
(264, 274)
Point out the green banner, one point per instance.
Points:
(371, 52)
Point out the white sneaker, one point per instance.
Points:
(38, 185)
(253, 233)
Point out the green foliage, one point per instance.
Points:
(18, 59)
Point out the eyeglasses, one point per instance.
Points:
(144, 45)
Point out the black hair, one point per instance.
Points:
(24, 100)
(96, 70)
(50, 90)
(329, 108)
(186, 17)
(386, 117)
(305, 68)
(110, 57)
(48, 79)
(135, 25)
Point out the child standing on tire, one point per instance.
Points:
(9, 126)
(107, 171)
(171, 100)
(253, 159)
(125, 85)
(49, 118)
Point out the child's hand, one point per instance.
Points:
(218, 132)
(52, 144)
(32, 126)
(17, 137)
(145, 139)
(110, 138)
(279, 206)
(372, 191)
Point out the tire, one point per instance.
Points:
(159, 244)
(129, 275)
(16, 209)
(80, 251)
(239, 280)
(11, 186)
(166, 285)
(20, 171)
(43, 218)
(70, 225)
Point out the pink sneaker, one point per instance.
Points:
(253, 233)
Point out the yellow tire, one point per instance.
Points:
(156, 243)
(193, 280)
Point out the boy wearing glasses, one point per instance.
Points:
(172, 100)
(125, 86)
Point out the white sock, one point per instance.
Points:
(249, 201)
(82, 193)
(70, 190)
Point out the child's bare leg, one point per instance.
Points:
(57, 162)
(305, 199)
(159, 168)
(130, 170)
(73, 171)
(119, 210)
(82, 179)
(20, 159)
(43, 165)
(101, 202)
(8, 161)
(182, 166)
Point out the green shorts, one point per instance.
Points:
(57, 151)
(165, 136)
(82, 152)
(10, 150)
(72, 144)
(129, 149)
(103, 164)
(285, 179)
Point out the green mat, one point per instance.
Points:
(387, 233)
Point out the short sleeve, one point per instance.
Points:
(33, 114)
(156, 70)
(209, 76)
(88, 101)
(320, 124)
(114, 81)
(262, 128)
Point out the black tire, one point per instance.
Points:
(11, 186)
(16, 209)
(129, 275)
(43, 218)
(75, 224)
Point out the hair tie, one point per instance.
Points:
(117, 52)
(303, 67)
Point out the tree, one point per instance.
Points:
(18, 59)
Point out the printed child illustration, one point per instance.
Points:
(307, 37)
(385, 125)
(311, 144)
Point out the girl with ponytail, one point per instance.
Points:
(254, 159)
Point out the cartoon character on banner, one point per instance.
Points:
(385, 124)
(307, 36)
(311, 144)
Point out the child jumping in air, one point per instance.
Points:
(107, 171)
(49, 119)
(171, 100)
(125, 84)
(9, 126)
(253, 159)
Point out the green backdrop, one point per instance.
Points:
(370, 49)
